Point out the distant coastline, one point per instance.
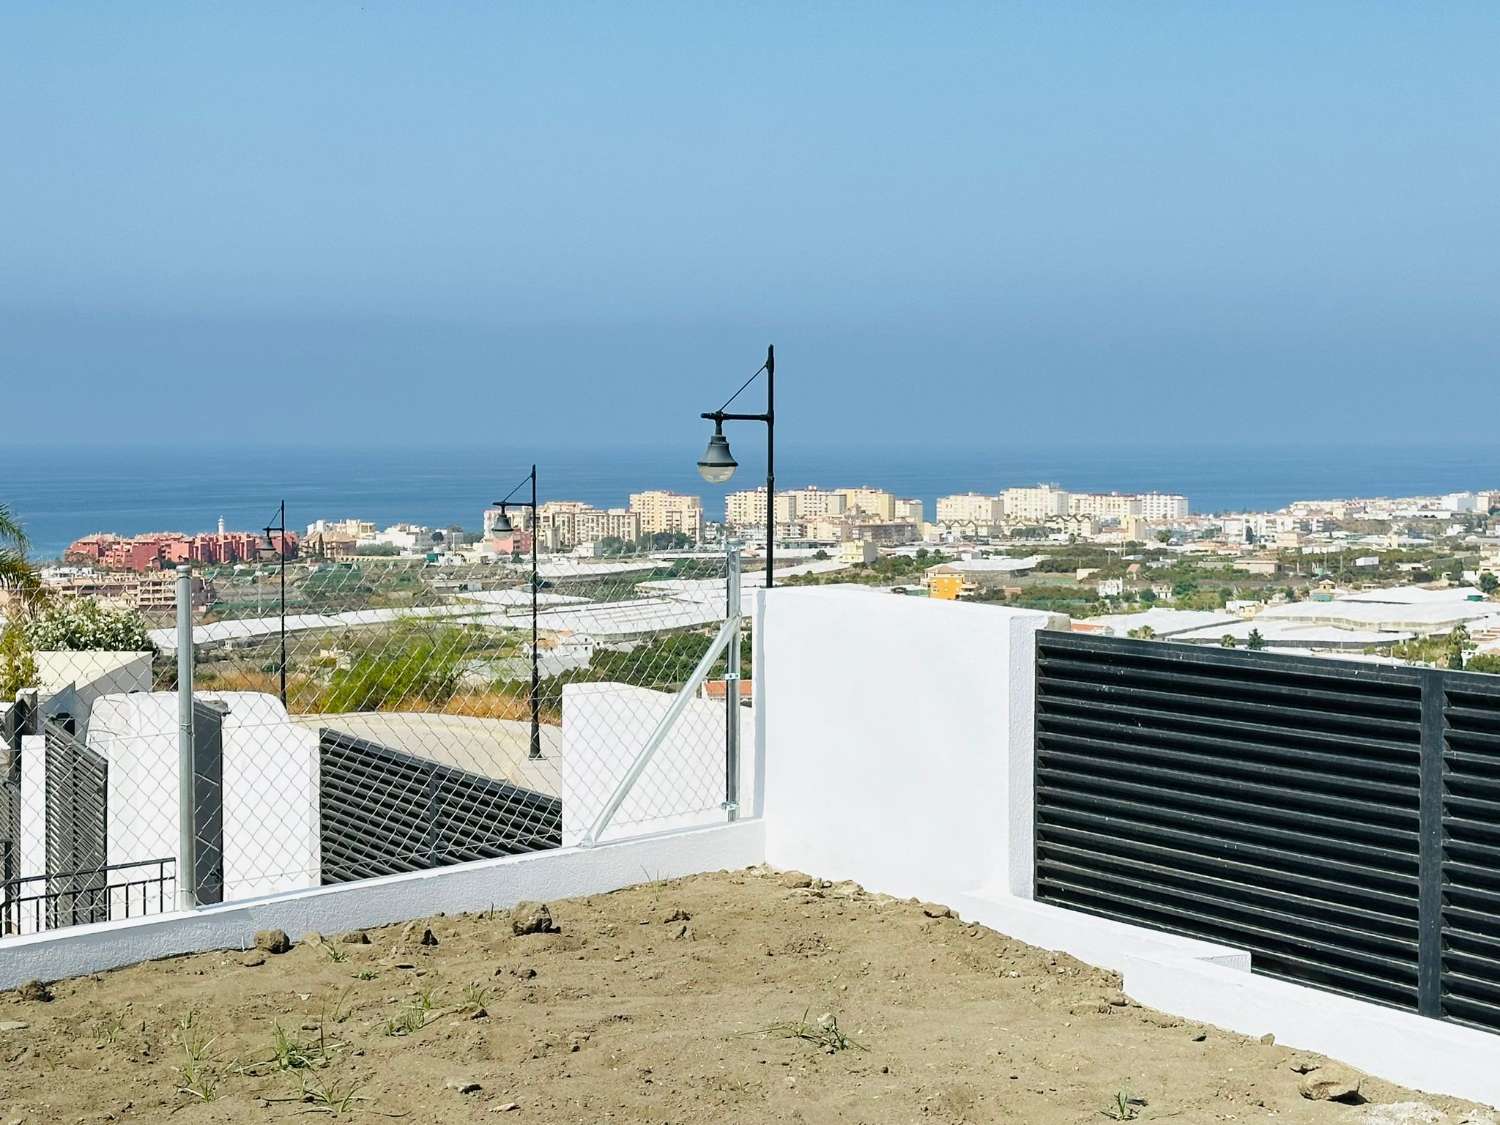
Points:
(61, 495)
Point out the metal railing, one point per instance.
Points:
(34, 903)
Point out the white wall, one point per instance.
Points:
(898, 752)
(604, 727)
(270, 777)
(91, 675)
(897, 738)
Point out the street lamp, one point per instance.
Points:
(503, 526)
(717, 464)
(279, 546)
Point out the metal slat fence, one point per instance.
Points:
(1339, 820)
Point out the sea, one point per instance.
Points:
(59, 494)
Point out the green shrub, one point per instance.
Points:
(17, 663)
(84, 625)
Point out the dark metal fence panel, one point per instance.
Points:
(384, 811)
(1470, 824)
(1264, 801)
(77, 782)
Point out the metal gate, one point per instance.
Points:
(77, 790)
(1339, 820)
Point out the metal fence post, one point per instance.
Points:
(732, 682)
(187, 882)
(1430, 836)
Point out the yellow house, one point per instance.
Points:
(946, 587)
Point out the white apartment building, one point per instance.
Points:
(670, 512)
(564, 524)
(1035, 505)
(971, 512)
(405, 537)
(1163, 505)
(340, 529)
(811, 502)
(1104, 505)
(748, 508)
(909, 511)
(870, 501)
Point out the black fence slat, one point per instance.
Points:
(1267, 802)
(384, 811)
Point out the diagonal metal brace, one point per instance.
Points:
(727, 632)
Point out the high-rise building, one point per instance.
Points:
(1163, 505)
(870, 501)
(748, 508)
(970, 513)
(908, 511)
(564, 524)
(670, 512)
(812, 502)
(1104, 505)
(1035, 505)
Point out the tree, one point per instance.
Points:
(23, 586)
(1488, 583)
(1144, 633)
(17, 576)
(1228, 641)
(1456, 642)
(1255, 642)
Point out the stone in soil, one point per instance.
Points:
(36, 991)
(355, 937)
(532, 918)
(794, 879)
(273, 941)
(1329, 1084)
(415, 933)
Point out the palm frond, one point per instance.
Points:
(12, 534)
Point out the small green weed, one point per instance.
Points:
(823, 1032)
(1124, 1107)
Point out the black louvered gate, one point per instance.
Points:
(77, 829)
(1339, 820)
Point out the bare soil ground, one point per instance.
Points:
(669, 1002)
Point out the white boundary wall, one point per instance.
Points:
(898, 738)
(604, 728)
(562, 873)
(898, 751)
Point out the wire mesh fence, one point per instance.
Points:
(383, 714)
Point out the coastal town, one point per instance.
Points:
(1403, 579)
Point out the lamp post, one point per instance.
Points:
(717, 464)
(501, 526)
(279, 546)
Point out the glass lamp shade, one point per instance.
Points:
(717, 464)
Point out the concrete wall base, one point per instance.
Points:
(563, 873)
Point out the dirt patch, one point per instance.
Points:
(720, 997)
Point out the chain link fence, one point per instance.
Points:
(361, 716)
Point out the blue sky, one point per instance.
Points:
(962, 225)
